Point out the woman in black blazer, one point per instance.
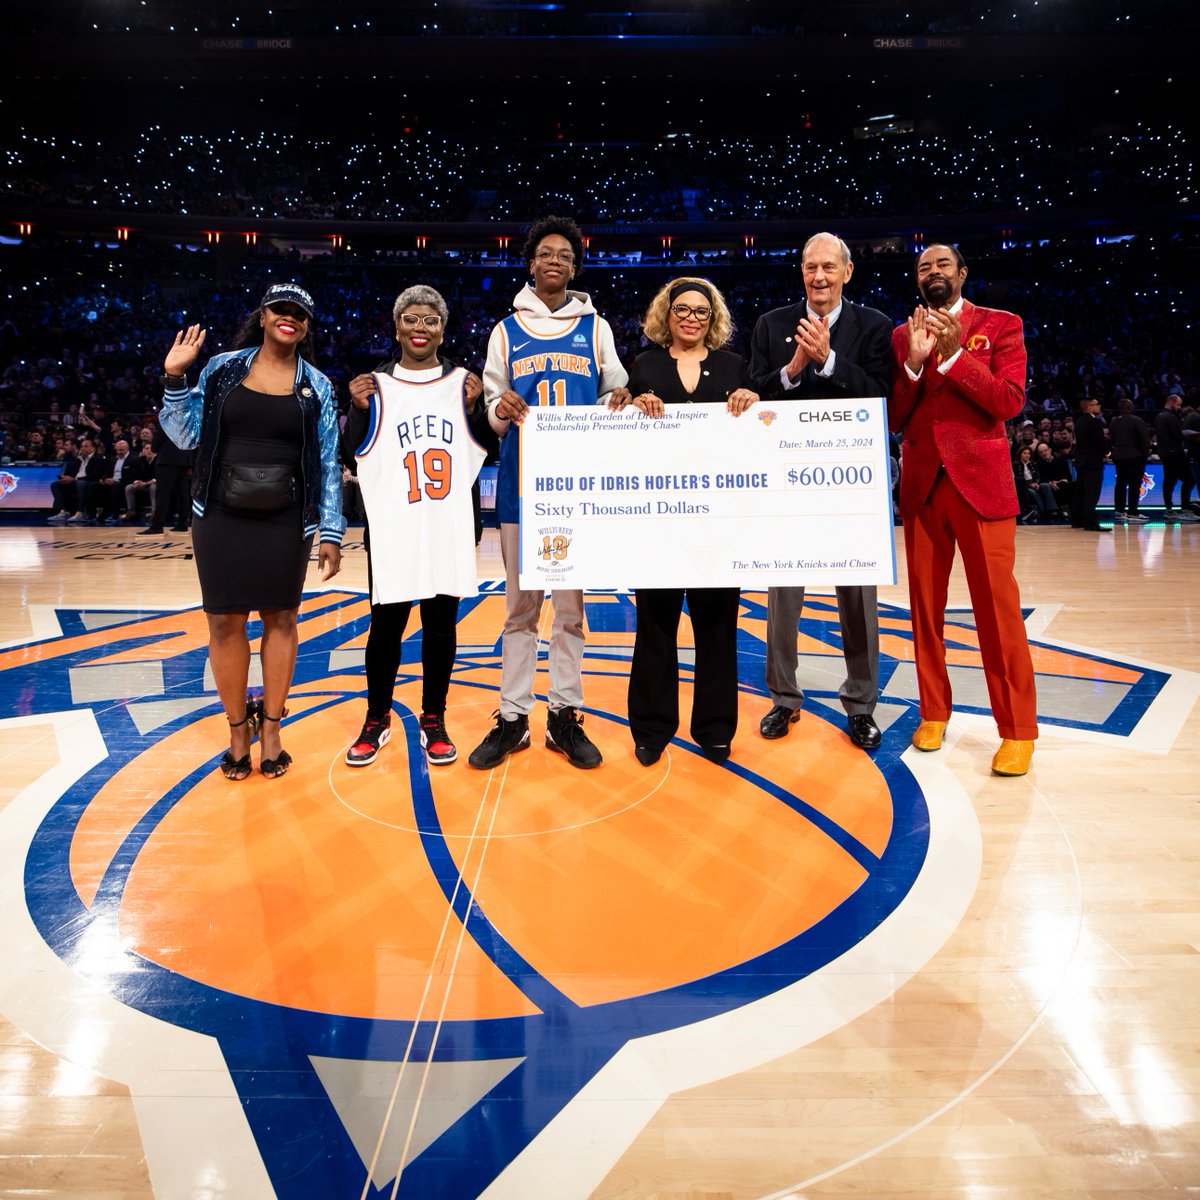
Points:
(689, 323)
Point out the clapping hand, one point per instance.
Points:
(947, 329)
(800, 358)
(921, 340)
(813, 337)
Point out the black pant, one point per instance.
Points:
(1176, 469)
(111, 498)
(1129, 484)
(439, 644)
(352, 502)
(1193, 462)
(1028, 497)
(1088, 482)
(654, 672)
(66, 498)
(171, 483)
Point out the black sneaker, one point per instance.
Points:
(376, 733)
(564, 733)
(503, 739)
(439, 749)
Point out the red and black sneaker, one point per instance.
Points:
(376, 733)
(439, 749)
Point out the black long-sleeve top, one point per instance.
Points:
(721, 372)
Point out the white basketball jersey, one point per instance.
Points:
(415, 468)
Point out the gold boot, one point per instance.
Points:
(929, 735)
(1013, 757)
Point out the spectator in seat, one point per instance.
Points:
(1054, 481)
(141, 486)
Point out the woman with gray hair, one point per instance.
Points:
(422, 378)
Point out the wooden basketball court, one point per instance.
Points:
(803, 974)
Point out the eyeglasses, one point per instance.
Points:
(563, 256)
(412, 320)
(683, 311)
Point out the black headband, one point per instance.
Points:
(689, 286)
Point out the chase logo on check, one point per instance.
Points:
(808, 416)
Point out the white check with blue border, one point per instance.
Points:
(790, 493)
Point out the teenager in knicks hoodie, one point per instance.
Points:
(554, 349)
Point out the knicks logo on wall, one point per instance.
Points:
(446, 982)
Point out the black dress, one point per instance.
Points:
(254, 561)
(654, 671)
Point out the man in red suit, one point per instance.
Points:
(959, 375)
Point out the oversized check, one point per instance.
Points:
(790, 492)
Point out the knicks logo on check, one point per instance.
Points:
(444, 982)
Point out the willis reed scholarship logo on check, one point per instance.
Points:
(553, 551)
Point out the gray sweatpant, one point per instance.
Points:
(519, 643)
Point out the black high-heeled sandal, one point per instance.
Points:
(274, 768)
(237, 769)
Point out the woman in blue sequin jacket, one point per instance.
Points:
(266, 481)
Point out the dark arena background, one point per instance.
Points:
(808, 972)
(168, 160)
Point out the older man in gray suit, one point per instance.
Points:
(823, 347)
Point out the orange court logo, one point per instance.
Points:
(414, 978)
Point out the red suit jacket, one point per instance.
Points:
(956, 420)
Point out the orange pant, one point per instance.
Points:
(988, 553)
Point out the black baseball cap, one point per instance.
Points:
(288, 293)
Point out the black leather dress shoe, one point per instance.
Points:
(647, 755)
(864, 733)
(716, 754)
(775, 723)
